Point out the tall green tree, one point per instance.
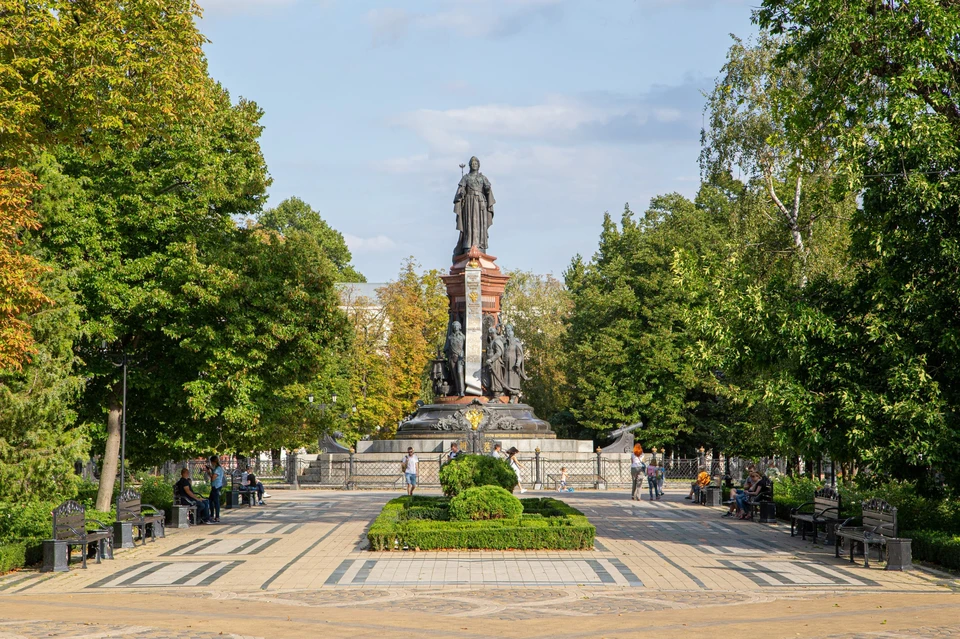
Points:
(416, 312)
(144, 235)
(885, 80)
(627, 338)
(538, 307)
(293, 214)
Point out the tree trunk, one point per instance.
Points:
(111, 455)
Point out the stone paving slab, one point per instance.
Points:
(303, 555)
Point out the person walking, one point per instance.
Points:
(217, 478)
(652, 481)
(409, 467)
(454, 452)
(637, 470)
(496, 453)
(516, 466)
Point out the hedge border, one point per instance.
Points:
(12, 556)
(559, 527)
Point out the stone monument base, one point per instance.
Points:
(498, 420)
(440, 443)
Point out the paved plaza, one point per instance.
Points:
(299, 568)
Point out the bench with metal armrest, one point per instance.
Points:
(824, 511)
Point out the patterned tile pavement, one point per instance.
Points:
(303, 555)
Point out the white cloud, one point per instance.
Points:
(375, 244)
(467, 18)
(671, 114)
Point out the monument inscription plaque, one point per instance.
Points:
(474, 330)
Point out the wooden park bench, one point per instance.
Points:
(130, 510)
(577, 479)
(824, 511)
(72, 527)
(239, 493)
(356, 481)
(878, 528)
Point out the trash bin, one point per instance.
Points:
(768, 512)
(899, 554)
(713, 496)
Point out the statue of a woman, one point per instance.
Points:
(494, 362)
(513, 368)
(473, 205)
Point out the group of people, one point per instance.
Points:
(410, 463)
(756, 485)
(208, 508)
(640, 470)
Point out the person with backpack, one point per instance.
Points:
(652, 481)
(217, 479)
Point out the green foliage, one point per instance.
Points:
(627, 339)
(293, 215)
(538, 307)
(79, 72)
(893, 113)
(484, 502)
(156, 491)
(12, 556)
(468, 471)
(559, 527)
(33, 520)
(937, 547)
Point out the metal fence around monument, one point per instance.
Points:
(353, 471)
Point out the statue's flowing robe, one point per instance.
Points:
(473, 205)
(454, 350)
(495, 364)
(514, 372)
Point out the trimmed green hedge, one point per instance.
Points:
(468, 471)
(913, 511)
(484, 502)
(12, 556)
(546, 524)
(935, 546)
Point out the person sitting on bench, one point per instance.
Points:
(253, 484)
(737, 493)
(761, 484)
(699, 484)
(183, 490)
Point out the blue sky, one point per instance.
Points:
(574, 107)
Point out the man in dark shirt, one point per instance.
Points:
(183, 490)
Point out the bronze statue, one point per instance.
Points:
(513, 368)
(473, 205)
(494, 363)
(438, 375)
(455, 350)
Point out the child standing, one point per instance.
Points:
(562, 488)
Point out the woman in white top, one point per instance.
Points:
(637, 470)
(515, 465)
